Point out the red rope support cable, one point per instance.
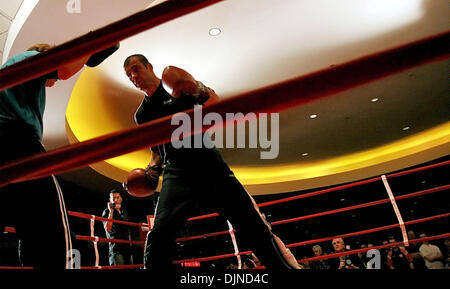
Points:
(316, 193)
(337, 188)
(86, 216)
(16, 268)
(274, 98)
(368, 231)
(105, 240)
(137, 266)
(369, 204)
(203, 217)
(342, 187)
(326, 238)
(402, 173)
(97, 40)
(212, 258)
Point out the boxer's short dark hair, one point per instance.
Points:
(139, 57)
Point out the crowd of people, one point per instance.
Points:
(417, 256)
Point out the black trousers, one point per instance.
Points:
(36, 210)
(223, 193)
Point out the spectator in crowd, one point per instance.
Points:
(398, 257)
(304, 265)
(413, 249)
(447, 253)
(318, 264)
(431, 254)
(119, 254)
(344, 262)
(363, 256)
(383, 253)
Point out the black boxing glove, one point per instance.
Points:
(100, 56)
(202, 93)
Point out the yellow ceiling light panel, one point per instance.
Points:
(96, 107)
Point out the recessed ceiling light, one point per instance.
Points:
(406, 128)
(214, 31)
(304, 154)
(375, 99)
(312, 116)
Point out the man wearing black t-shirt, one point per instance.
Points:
(192, 174)
(119, 254)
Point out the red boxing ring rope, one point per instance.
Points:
(342, 187)
(367, 231)
(106, 240)
(138, 266)
(86, 216)
(365, 205)
(312, 86)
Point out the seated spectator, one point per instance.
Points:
(398, 257)
(447, 253)
(119, 254)
(431, 254)
(318, 264)
(413, 249)
(344, 262)
(304, 265)
(383, 253)
(363, 256)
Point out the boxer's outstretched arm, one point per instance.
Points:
(180, 81)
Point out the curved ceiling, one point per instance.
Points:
(261, 43)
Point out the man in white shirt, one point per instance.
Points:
(431, 254)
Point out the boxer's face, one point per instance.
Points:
(138, 74)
